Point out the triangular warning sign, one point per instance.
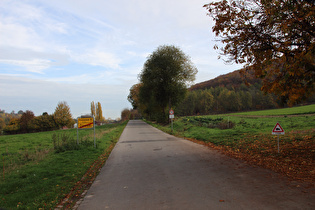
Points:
(278, 129)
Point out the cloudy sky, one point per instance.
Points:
(80, 51)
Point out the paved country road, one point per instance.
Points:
(149, 169)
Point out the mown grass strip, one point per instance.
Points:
(45, 183)
(299, 110)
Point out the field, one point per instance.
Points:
(38, 170)
(309, 109)
(247, 136)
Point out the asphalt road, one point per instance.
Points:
(149, 169)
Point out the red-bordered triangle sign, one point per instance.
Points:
(278, 129)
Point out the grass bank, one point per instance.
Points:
(248, 136)
(35, 176)
(299, 110)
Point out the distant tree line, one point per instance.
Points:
(5, 117)
(230, 93)
(222, 100)
(130, 114)
(29, 123)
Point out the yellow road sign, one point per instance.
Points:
(85, 123)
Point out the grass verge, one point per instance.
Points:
(42, 183)
(308, 109)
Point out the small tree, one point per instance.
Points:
(63, 115)
(13, 127)
(44, 122)
(25, 121)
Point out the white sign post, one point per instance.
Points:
(171, 112)
(278, 130)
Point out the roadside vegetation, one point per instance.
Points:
(247, 136)
(27, 122)
(40, 170)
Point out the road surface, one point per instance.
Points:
(149, 169)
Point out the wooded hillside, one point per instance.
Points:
(229, 93)
(232, 80)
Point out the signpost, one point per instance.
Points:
(86, 123)
(171, 112)
(278, 130)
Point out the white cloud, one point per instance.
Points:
(34, 65)
(98, 58)
(18, 36)
(32, 61)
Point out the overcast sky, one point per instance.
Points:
(80, 51)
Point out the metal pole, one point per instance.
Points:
(278, 144)
(172, 124)
(94, 131)
(77, 131)
(228, 122)
(3, 167)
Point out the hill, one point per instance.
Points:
(231, 80)
(228, 93)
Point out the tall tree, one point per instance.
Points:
(165, 77)
(188, 105)
(246, 100)
(93, 110)
(133, 96)
(99, 112)
(206, 101)
(275, 38)
(62, 115)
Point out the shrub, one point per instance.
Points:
(225, 124)
(64, 142)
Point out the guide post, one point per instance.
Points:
(171, 112)
(278, 130)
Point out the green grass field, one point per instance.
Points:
(248, 136)
(34, 175)
(258, 122)
(309, 109)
